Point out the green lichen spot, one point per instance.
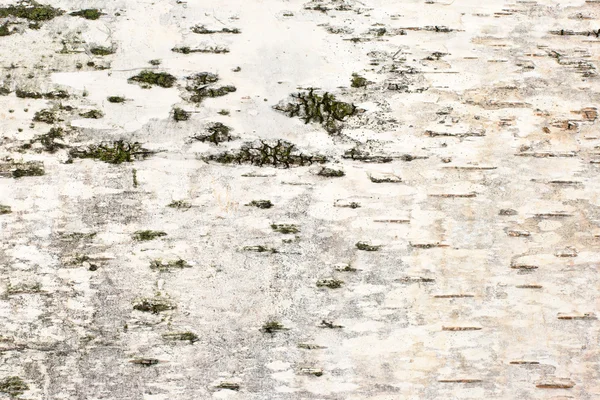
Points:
(5, 209)
(148, 235)
(151, 78)
(88, 13)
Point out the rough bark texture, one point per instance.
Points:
(357, 200)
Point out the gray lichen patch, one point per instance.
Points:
(148, 235)
(154, 305)
(159, 265)
(148, 79)
(215, 133)
(114, 153)
(324, 109)
(13, 386)
(278, 154)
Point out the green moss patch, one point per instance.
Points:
(115, 99)
(279, 154)
(53, 95)
(150, 78)
(216, 133)
(366, 247)
(5, 30)
(323, 109)
(31, 168)
(114, 153)
(272, 327)
(285, 228)
(331, 173)
(330, 283)
(358, 81)
(46, 116)
(13, 386)
(264, 204)
(88, 13)
(30, 10)
(202, 30)
(209, 49)
(92, 114)
(148, 235)
(102, 51)
(182, 336)
(179, 114)
(154, 306)
(161, 266)
(199, 94)
(181, 204)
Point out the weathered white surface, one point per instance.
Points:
(491, 110)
